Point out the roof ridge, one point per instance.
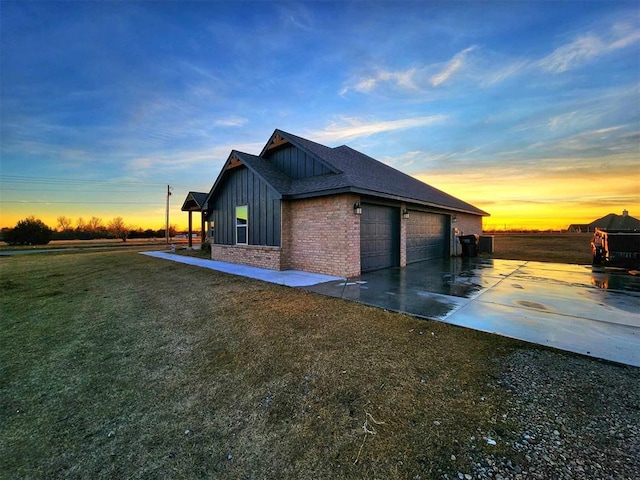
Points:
(355, 171)
(297, 137)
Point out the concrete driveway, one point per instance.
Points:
(580, 309)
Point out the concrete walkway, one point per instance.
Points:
(289, 278)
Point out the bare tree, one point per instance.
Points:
(64, 223)
(119, 229)
(81, 226)
(94, 225)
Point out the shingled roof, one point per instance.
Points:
(616, 222)
(351, 171)
(194, 201)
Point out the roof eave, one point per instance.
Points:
(413, 201)
(386, 196)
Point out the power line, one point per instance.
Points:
(80, 203)
(54, 180)
(58, 190)
(21, 178)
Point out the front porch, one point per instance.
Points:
(195, 202)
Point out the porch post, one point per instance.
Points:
(201, 227)
(190, 240)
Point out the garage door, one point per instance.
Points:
(379, 237)
(427, 236)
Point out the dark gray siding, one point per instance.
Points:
(296, 164)
(243, 187)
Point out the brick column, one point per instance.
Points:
(403, 236)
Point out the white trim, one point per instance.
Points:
(246, 226)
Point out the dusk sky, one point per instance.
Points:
(527, 110)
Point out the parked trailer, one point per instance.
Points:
(616, 248)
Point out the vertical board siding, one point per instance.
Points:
(297, 164)
(243, 187)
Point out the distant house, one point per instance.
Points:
(578, 228)
(305, 206)
(608, 222)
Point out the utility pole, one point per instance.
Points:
(166, 230)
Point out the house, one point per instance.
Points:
(578, 228)
(305, 206)
(611, 221)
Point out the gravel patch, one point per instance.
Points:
(572, 418)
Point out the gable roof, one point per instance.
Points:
(352, 171)
(359, 173)
(616, 222)
(263, 168)
(194, 201)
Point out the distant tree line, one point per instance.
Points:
(33, 231)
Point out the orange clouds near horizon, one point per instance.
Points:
(152, 219)
(518, 197)
(544, 200)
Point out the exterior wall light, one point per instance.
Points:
(357, 209)
(405, 214)
(454, 219)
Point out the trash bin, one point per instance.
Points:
(486, 244)
(469, 245)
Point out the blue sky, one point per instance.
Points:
(528, 110)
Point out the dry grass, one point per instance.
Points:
(117, 365)
(545, 247)
(141, 243)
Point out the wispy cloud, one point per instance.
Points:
(413, 79)
(593, 143)
(488, 68)
(176, 161)
(572, 54)
(417, 160)
(403, 79)
(496, 73)
(185, 161)
(624, 35)
(350, 128)
(231, 121)
(587, 47)
(451, 67)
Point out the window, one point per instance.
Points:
(242, 217)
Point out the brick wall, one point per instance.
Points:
(467, 225)
(253, 255)
(403, 237)
(322, 235)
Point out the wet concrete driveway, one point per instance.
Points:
(576, 308)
